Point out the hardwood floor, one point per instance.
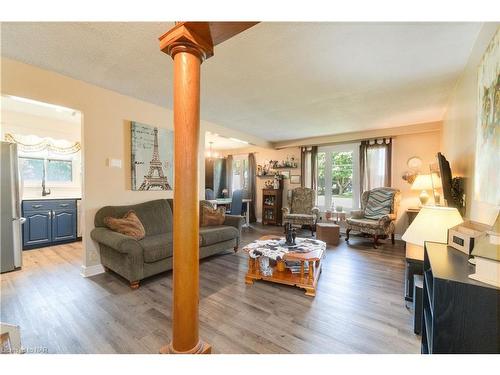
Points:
(359, 307)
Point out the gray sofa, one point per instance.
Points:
(136, 260)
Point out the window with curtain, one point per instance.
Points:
(240, 172)
(56, 159)
(375, 163)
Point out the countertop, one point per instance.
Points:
(51, 198)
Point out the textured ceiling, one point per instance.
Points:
(277, 81)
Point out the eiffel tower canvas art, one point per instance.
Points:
(152, 157)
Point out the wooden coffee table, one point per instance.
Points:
(283, 275)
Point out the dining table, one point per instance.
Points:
(227, 202)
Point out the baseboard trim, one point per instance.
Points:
(92, 270)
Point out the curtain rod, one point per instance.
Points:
(344, 142)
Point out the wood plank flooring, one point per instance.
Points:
(359, 307)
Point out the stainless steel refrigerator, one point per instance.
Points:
(10, 209)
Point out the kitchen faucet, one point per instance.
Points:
(45, 192)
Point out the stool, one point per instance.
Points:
(418, 283)
(328, 232)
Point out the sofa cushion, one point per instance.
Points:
(129, 225)
(216, 234)
(210, 216)
(363, 223)
(157, 247)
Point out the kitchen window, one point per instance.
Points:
(56, 170)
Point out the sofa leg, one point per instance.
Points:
(106, 269)
(375, 241)
(392, 239)
(134, 284)
(236, 249)
(347, 234)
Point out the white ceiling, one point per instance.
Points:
(277, 81)
(219, 142)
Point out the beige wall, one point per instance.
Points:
(459, 128)
(262, 156)
(425, 146)
(105, 134)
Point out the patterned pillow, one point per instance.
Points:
(212, 216)
(129, 225)
(379, 203)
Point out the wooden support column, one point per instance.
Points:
(189, 44)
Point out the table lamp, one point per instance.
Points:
(432, 224)
(426, 182)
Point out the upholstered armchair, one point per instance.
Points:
(379, 208)
(302, 209)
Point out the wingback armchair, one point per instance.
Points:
(379, 208)
(302, 209)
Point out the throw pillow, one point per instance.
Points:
(379, 203)
(129, 225)
(212, 216)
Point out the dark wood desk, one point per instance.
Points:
(461, 315)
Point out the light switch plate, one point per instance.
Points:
(114, 163)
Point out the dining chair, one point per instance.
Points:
(209, 194)
(237, 203)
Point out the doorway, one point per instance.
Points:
(46, 186)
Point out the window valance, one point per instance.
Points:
(33, 143)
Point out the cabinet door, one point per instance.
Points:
(64, 225)
(37, 228)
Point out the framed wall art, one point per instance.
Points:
(152, 154)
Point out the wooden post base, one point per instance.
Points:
(134, 284)
(201, 348)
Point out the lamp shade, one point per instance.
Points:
(432, 224)
(422, 182)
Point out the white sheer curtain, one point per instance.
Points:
(375, 164)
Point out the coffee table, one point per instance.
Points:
(283, 275)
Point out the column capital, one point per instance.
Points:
(199, 38)
(191, 37)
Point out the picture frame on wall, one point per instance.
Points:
(151, 157)
(295, 179)
(486, 178)
(285, 174)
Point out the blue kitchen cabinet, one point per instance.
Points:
(63, 225)
(49, 222)
(37, 229)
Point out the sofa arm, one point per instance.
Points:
(285, 210)
(386, 219)
(234, 221)
(117, 241)
(315, 212)
(357, 214)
